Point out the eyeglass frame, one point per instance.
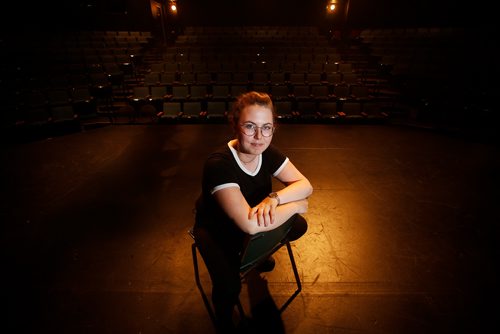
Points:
(255, 127)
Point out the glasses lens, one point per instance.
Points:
(249, 129)
(267, 130)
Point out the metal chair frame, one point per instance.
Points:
(258, 248)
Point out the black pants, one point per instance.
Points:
(223, 267)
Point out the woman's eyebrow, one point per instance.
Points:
(250, 122)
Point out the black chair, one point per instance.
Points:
(307, 110)
(171, 111)
(284, 110)
(220, 93)
(327, 110)
(159, 94)
(257, 249)
(216, 111)
(280, 92)
(139, 97)
(192, 111)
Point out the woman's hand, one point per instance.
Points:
(265, 211)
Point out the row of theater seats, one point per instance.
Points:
(241, 56)
(271, 78)
(287, 111)
(331, 66)
(309, 36)
(299, 102)
(230, 92)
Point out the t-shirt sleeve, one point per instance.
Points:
(219, 173)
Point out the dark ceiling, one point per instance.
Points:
(361, 13)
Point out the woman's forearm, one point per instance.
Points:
(295, 191)
(283, 213)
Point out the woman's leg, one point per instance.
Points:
(223, 268)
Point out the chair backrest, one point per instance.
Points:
(240, 78)
(151, 78)
(220, 91)
(170, 67)
(180, 92)
(280, 92)
(320, 92)
(297, 78)
(223, 77)
(306, 108)
(168, 78)
(352, 108)
(327, 108)
(172, 109)
(334, 77)
(140, 93)
(261, 245)
(187, 78)
(260, 78)
(341, 91)
(301, 91)
(314, 78)
(203, 78)
(283, 109)
(236, 90)
(359, 92)
(191, 109)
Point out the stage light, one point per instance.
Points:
(172, 5)
(332, 5)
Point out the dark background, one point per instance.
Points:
(136, 14)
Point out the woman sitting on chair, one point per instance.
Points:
(237, 199)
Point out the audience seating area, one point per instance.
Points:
(294, 65)
(54, 82)
(74, 79)
(446, 74)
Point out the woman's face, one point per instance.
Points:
(261, 117)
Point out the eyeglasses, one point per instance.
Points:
(249, 129)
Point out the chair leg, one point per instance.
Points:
(297, 278)
(200, 287)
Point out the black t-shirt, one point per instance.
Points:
(224, 169)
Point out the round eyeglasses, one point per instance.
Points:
(249, 129)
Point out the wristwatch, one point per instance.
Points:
(275, 195)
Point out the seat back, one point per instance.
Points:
(260, 246)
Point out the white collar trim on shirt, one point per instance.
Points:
(231, 144)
